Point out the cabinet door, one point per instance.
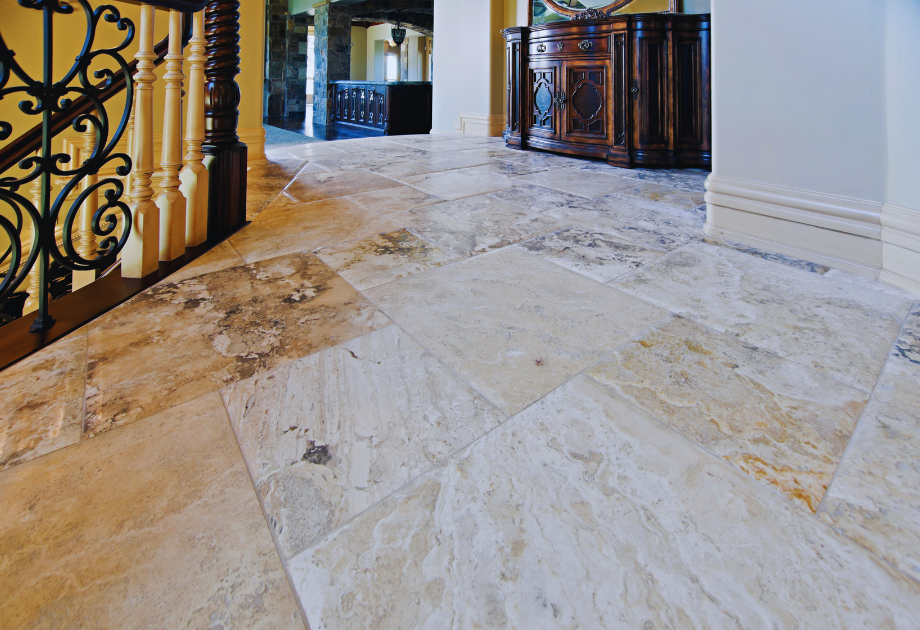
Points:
(587, 97)
(544, 92)
(649, 90)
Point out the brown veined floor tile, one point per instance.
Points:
(317, 186)
(153, 526)
(42, 401)
(178, 341)
(383, 258)
(781, 423)
(287, 229)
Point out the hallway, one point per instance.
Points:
(438, 383)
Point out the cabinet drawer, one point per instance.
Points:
(565, 46)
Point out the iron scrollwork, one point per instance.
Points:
(48, 98)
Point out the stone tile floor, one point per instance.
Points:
(438, 383)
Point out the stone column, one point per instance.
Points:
(332, 30)
(276, 57)
(295, 78)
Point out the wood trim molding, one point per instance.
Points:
(254, 139)
(482, 124)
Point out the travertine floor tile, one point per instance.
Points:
(383, 258)
(394, 199)
(577, 182)
(330, 435)
(839, 328)
(875, 497)
(645, 224)
(286, 230)
(400, 170)
(686, 179)
(475, 225)
(443, 161)
(513, 325)
(223, 256)
(537, 197)
(316, 149)
(42, 401)
(265, 179)
(436, 145)
(317, 186)
(779, 422)
(178, 341)
(666, 195)
(592, 253)
(152, 526)
(584, 512)
(460, 182)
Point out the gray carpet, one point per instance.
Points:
(276, 138)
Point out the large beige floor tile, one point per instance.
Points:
(537, 198)
(476, 225)
(875, 497)
(152, 526)
(840, 328)
(584, 512)
(593, 253)
(330, 435)
(223, 256)
(394, 199)
(577, 182)
(646, 224)
(399, 170)
(460, 182)
(781, 423)
(297, 228)
(178, 341)
(665, 194)
(41, 401)
(317, 186)
(513, 325)
(384, 258)
(452, 159)
(266, 178)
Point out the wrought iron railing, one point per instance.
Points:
(44, 98)
(72, 209)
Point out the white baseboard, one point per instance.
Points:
(901, 247)
(841, 232)
(482, 124)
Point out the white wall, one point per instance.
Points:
(467, 55)
(815, 132)
(799, 98)
(903, 91)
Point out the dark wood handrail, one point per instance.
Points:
(31, 140)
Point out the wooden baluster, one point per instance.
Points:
(226, 161)
(87, 245)
(171, 201)
(129, 178)
(194, 175)
(33, 280)
(140, 256)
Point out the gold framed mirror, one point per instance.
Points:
(594, 7)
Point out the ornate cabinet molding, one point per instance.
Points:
(632, 89)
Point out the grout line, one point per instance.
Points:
(268, 525)
(861, 421)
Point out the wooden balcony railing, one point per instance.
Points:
(92, 208)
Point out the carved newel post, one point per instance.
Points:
(225, 154)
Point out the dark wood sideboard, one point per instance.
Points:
(389, 108)
(632, 89)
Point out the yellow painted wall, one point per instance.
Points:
(21, 29)
(359, 63)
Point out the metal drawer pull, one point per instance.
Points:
(541, 48)
(585, 44)
(560, 99)
(560, 46)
